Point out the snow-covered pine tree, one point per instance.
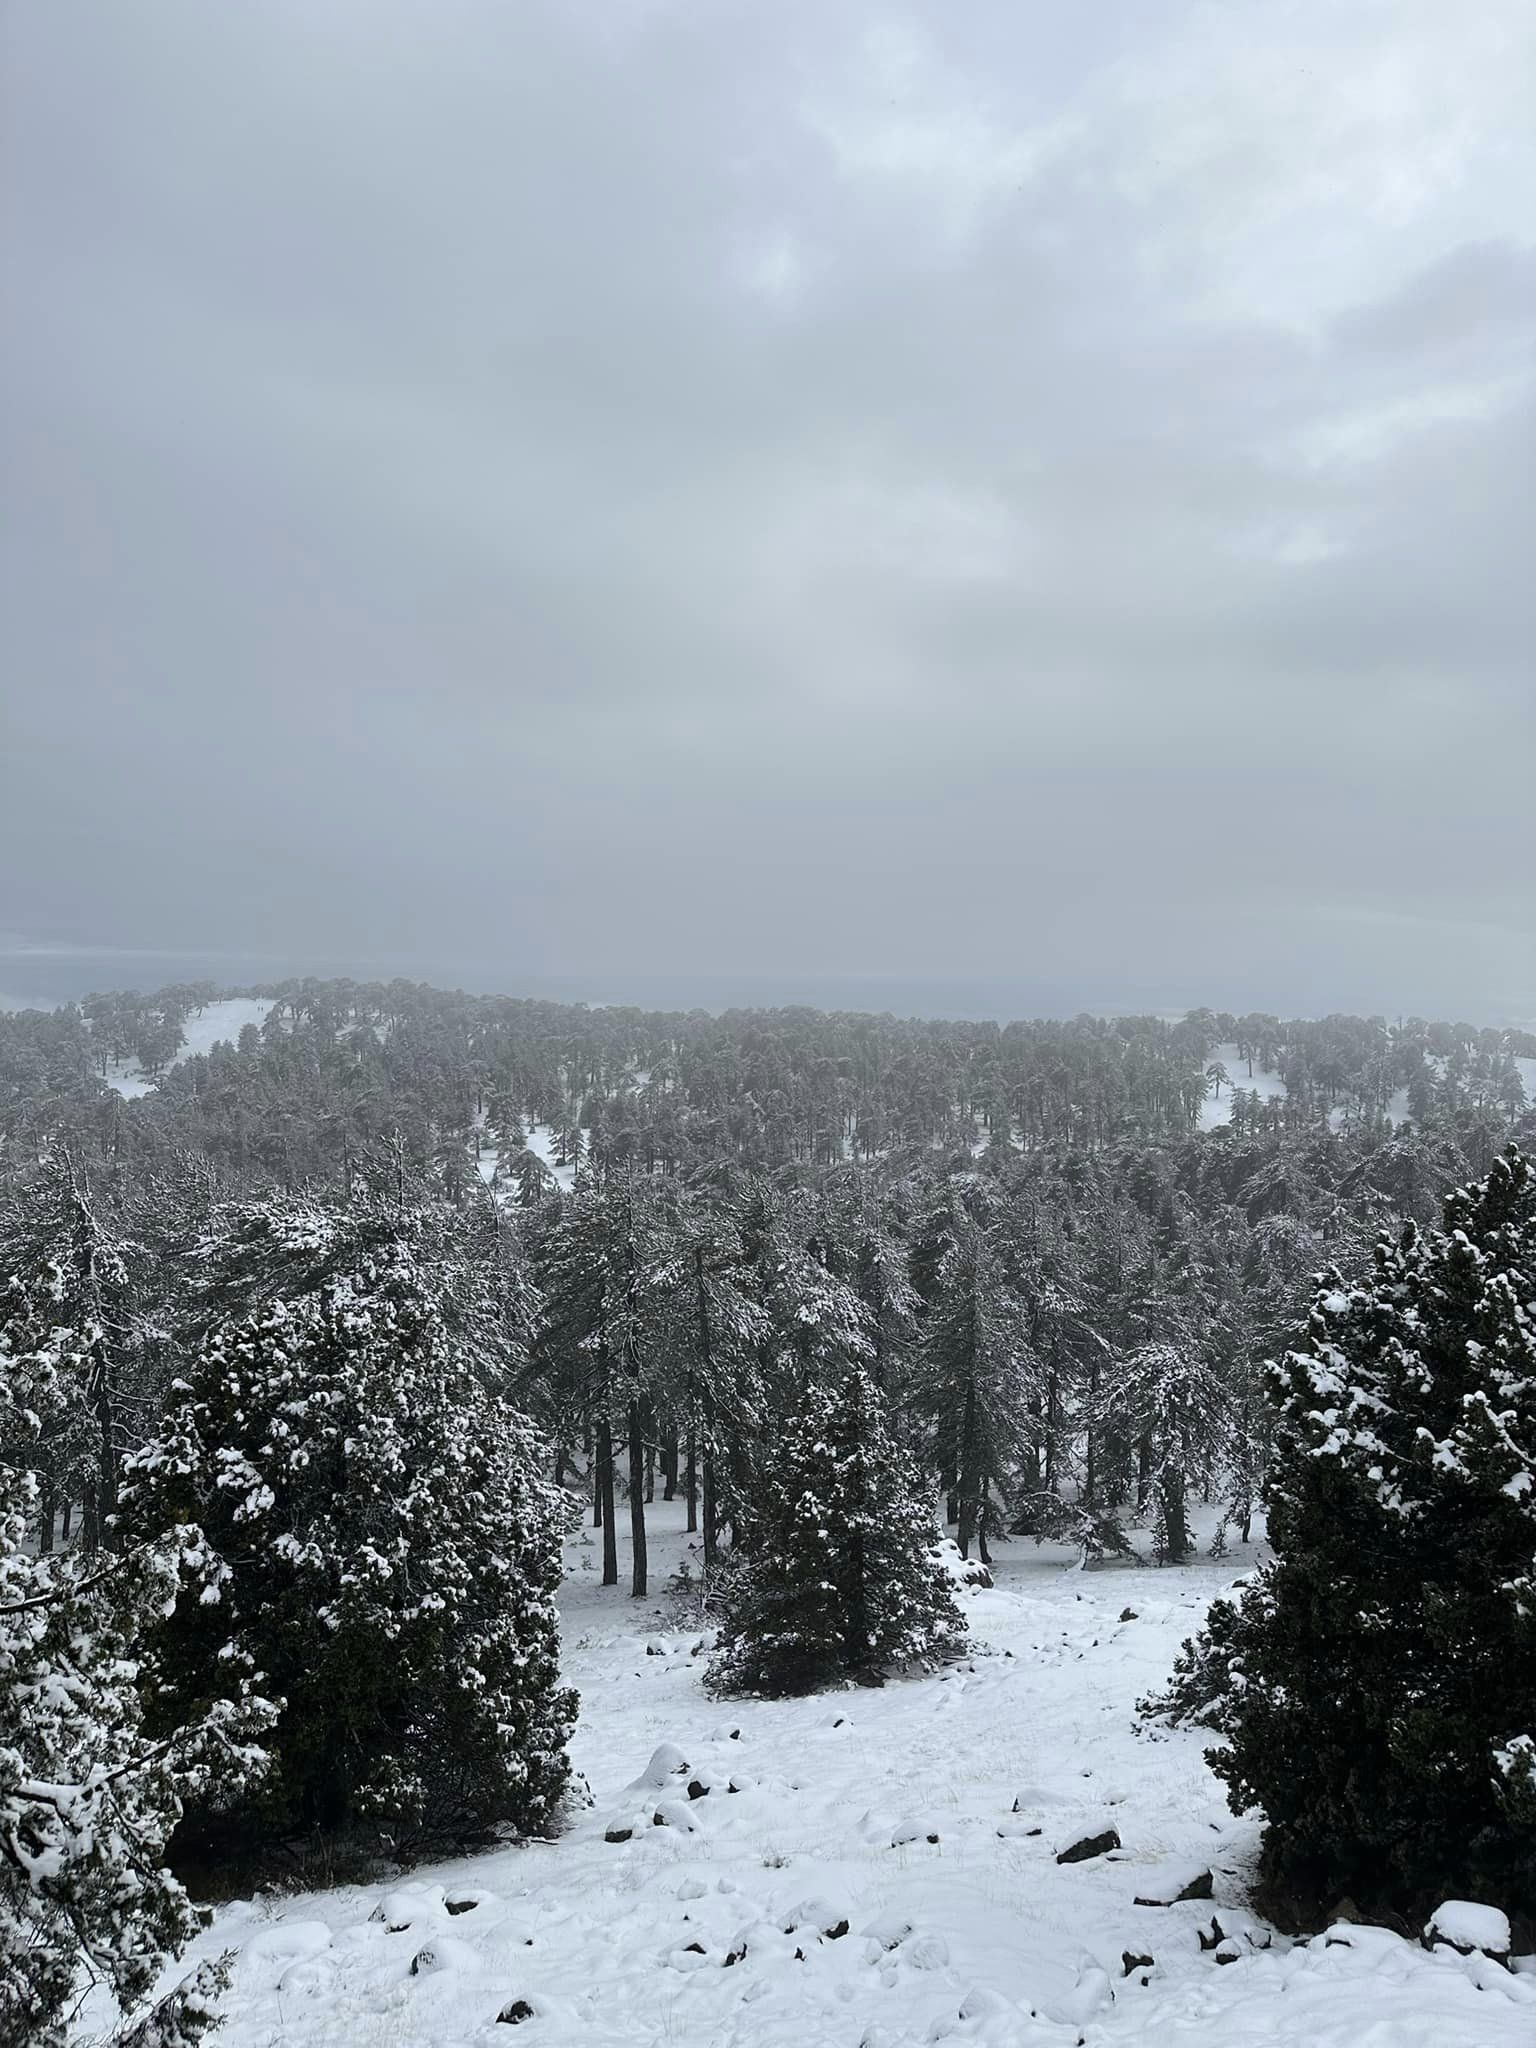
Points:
(979, 1376)
(88, 1799)
(391, 1546)
(1174, 1408)
(75, 1266)
(717, 1335)
(840, 1581)
(1377, 1680)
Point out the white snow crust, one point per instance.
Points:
(795, 1900)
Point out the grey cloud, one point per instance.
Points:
(689, 490)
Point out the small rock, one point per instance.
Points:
(1128, 1614)
(1130, 1963)
(1090, 1845)
(1228, 1952)
(1216, 1936)
(697, 1790)
(1465, 1926)
(1175, 1888)
(457, 1906)
(618, 1834)
(514, 2014)
(694, 1948)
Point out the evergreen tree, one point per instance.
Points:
(979, 1378)
(391, 1548)
(840, 1580)
(88, 1798)
(1377, 1679)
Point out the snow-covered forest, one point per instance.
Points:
(750, 1489)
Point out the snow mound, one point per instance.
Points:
(1467, 1926)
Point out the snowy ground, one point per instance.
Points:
(1217, 1107)
(927, 1817)
(215, 1024)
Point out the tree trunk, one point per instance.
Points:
(711, 1511)
(669, 1466)
(605, 1501)
(637, 1461)
(969, 1477)
(691, 1481)
(706, 1355)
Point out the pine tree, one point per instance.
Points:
(840, 1581)
(88, 1799)
(1377, 1679)
(979, 1378)
(392, 1550)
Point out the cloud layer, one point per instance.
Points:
(627, 488)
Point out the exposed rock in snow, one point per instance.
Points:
(1079, 1847)
(1172, 1884)
(1466, 1926)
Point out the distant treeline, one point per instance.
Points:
(339, 1066)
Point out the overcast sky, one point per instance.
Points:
(672, 492)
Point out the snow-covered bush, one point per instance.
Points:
(1377, 1681)
(391, 1548)
(88, 1799)
(841, 1580)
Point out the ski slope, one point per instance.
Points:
(927, 1816)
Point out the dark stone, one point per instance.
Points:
(514, 2014)
(933, 1838)
(1197, 1888)
(422, 1960)
(1216, 1936)
(696, 1790)
(1091, 1845)
(694, 1948)
(1128, 1614)
(618, 1834)
(836, 1933)
(1131, 1962)
(735, 1955)
(460, 1905)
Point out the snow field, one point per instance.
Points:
(215, 1024)
(1217, 1109)
(862, 1869)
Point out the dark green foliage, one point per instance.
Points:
(88, 1795)
(841, 1581)
(1378, 1680)
(389, 1547)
